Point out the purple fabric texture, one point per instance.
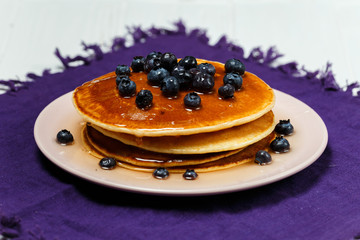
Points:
(38, 200)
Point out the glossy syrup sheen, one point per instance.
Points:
(139, 158)
(96, 141)
(100, 101)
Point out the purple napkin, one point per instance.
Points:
(38, 200)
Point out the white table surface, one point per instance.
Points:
(309, 32)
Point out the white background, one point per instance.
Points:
(309, 32)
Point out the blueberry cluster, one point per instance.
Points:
(165, 71)
(234, 69)
(125, 85)
(279, 144)
(172, 76)
(163, 173)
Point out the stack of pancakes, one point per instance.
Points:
(223, 133)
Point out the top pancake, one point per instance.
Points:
(99, 103)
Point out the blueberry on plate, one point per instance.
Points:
(188, 62)
(155, 76)
(168, 61)
(170, 86)
(233, 79)
(161, 173)
(226, 91)
(137, 64)
(207, 68)
(284, 127)
(144, 99)
(262, 157)
(127, 88)
(280, 145)
(190, 174)
(235, 66)
(64, 137)
(120, 78)
(122, 70)
(203, 82)
(192, 100)
(107, 163)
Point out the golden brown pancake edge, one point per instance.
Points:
(243, 156)
(223, 140)
(98, 102)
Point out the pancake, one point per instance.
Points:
(224, 140)
(99, 103)
(141, 160)
(101, 145)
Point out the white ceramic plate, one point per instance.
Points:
(307, 143)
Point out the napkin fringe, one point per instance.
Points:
(12, 85)
(136, 34)
(10, 227)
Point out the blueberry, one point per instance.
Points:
(107, 163)
(178, 70)
(188, 62)
(233, 79)
(207, 68)
(64, 137)
(226, 91)
(194, 71)
(203, 82)
(137, 64)
(280, 145)
(155, 76)
(127, 88)
(262, 157)
(120, 78)
(122, 70)
(184, 77)
(153, 54)
(161, 173)
(170, 86)
(144, 99)
(234, 65)
(284, 127)
(152, 63)
(168, 61)
(190, 174)
(192, 100)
